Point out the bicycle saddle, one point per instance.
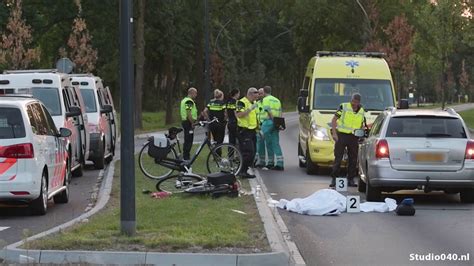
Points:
(174, 130)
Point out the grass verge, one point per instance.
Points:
(468, 117)
(180, 223)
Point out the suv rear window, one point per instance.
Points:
(89, 100)
(11, 123)
(426, 127)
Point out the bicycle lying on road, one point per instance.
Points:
(158, 158)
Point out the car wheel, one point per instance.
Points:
(99, 162)
(63, 197)
(467, 195)
(311, 168)
(39, 206)
(361, 187)
(372, 193)
(300, 153)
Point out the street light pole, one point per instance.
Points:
(127, 145)
(207, 80)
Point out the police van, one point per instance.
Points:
(330, 80)
(102, 117)
(64, 103)
(34, 165)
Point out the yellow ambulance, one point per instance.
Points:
(330, 80)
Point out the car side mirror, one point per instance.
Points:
(403, 104)
(360, 133)
(74, 111)
(302, 107)
(106, 109)
(64, 132)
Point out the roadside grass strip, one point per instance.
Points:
(468, 117)
(179, 223)
(153, 121)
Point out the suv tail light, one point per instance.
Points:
(381, 149)
(19, 151)
(470, 150)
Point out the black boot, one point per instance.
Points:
(333, 183)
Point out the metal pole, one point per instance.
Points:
(207, 80)
(127, 145)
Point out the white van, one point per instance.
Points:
(64, 103)
(101, 113)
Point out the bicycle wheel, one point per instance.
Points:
(224, 157)
(207, 189)
(150, 168)
(178, 183)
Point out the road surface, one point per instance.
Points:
(441, 224)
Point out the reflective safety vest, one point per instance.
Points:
(217, 109)
(185, 106)
(272, 104)
(249, 121)
(350, 121)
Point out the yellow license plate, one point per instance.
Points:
(428, 157)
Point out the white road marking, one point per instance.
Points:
(2, 228)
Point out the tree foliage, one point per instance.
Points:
(15, 42)
(428, 44)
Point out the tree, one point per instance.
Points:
(400, 50)
(14, 47)
(80, 48)
(140, 62)
(464, 80)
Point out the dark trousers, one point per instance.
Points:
(247, 139)
(218, 131)
(232, 127)
(188, 139)
(350, 142)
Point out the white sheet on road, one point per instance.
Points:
(322, 202)
(330, 202)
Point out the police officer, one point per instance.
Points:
(188, 113)
(271, 108)
(261, 151)
(348, 118)
(216, 109)
(231, 105)
(247, 125)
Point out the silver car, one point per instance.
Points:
(417, 149)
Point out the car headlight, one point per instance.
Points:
(319, 133)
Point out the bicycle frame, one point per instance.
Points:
(182, 165)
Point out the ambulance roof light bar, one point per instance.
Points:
(350, 54)
(30, 71)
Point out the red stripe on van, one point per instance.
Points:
(7, 164)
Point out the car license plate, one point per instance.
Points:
(428, 157)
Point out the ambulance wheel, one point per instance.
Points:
(39, 206)
(311, 167)
(99, 162)
(300, 153)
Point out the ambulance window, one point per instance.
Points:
(50, 98)
(101, 102)
(67, 101)
(11, 123)
(89, 100)
(31, 117)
